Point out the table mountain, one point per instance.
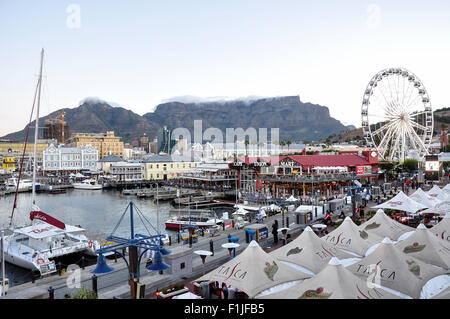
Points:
(296, 120)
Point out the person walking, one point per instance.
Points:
(275, 231)
(211, 247)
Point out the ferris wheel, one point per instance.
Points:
(396, 114)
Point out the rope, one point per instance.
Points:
(121, 218)
(23, 154)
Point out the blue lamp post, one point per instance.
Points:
(137, 245)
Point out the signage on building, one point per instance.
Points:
(363, 170)
(432, 166)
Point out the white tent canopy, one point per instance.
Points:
(425, 246)
(403, 203)
(292, 199)
(383, 226)
(437, 193)
(240, 211)
(349, 237)
(446, 189)
(308, 251)
(187, 295)
(442, 229)
(389, 267)
(440, 208)
(253, 271)
(333, 282)
(420, 196)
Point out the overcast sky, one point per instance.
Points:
(138, 54)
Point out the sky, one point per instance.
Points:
(137, 54)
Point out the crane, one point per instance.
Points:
(62, 124)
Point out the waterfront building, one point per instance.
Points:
(127, 172)
(164, 167)
(211, 174)
(106, 143)
(69, 159)
(105, 163)
(8, 164)
(303, 175)
(16, 148)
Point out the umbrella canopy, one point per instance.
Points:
(240, 211)
(274, 207)
(421, 197)
(333, 282)
(187, 295)
(309, 251)
(442, 229)
(253, 271)
(348, 236)
(437, 193)
(291, 199)
(389, 267)
(440, 208)
(445, 294)
(402, 202)
(383, 226)
(446, 189)
(425, 246)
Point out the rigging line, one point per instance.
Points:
(148, 221)
(120, 220)
(23, 154)
(139, 215)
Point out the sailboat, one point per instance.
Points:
(36, 246)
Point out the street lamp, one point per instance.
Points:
(137, 241)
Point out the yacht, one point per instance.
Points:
(36, 246)
(87, 184)
(196, 218)
(24, 184)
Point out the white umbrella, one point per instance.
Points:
(291, 199)
(423, 198)
(187, 295)
(253, 271)
(383, 226)
(403, 203)
(441, 208)
(442, 229)
(437, 193)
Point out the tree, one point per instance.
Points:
(410, 165)
(288, 144)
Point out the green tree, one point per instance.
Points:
(410, 165)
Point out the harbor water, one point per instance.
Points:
(97, 211)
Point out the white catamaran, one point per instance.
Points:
(34, 247)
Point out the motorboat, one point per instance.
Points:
(89, 183)
(194, 218)
(24, 184)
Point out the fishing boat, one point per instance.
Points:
(189, 217)
(36, 246)
(89, 183)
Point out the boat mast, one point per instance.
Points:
(36, 129)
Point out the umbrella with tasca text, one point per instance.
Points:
(254, 271)
(309, 251)
(389, 267)
(438, 193)
(383, 226)
(420, 196)
(403, 203)
(333, 282)
(349, 237)
(442, 229)
(424, 245)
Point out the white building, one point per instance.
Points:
(57, 159)
(127, 172)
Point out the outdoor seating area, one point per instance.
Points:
(382, 258)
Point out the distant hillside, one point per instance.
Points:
(296, 120)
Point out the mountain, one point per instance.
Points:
(297, 121)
